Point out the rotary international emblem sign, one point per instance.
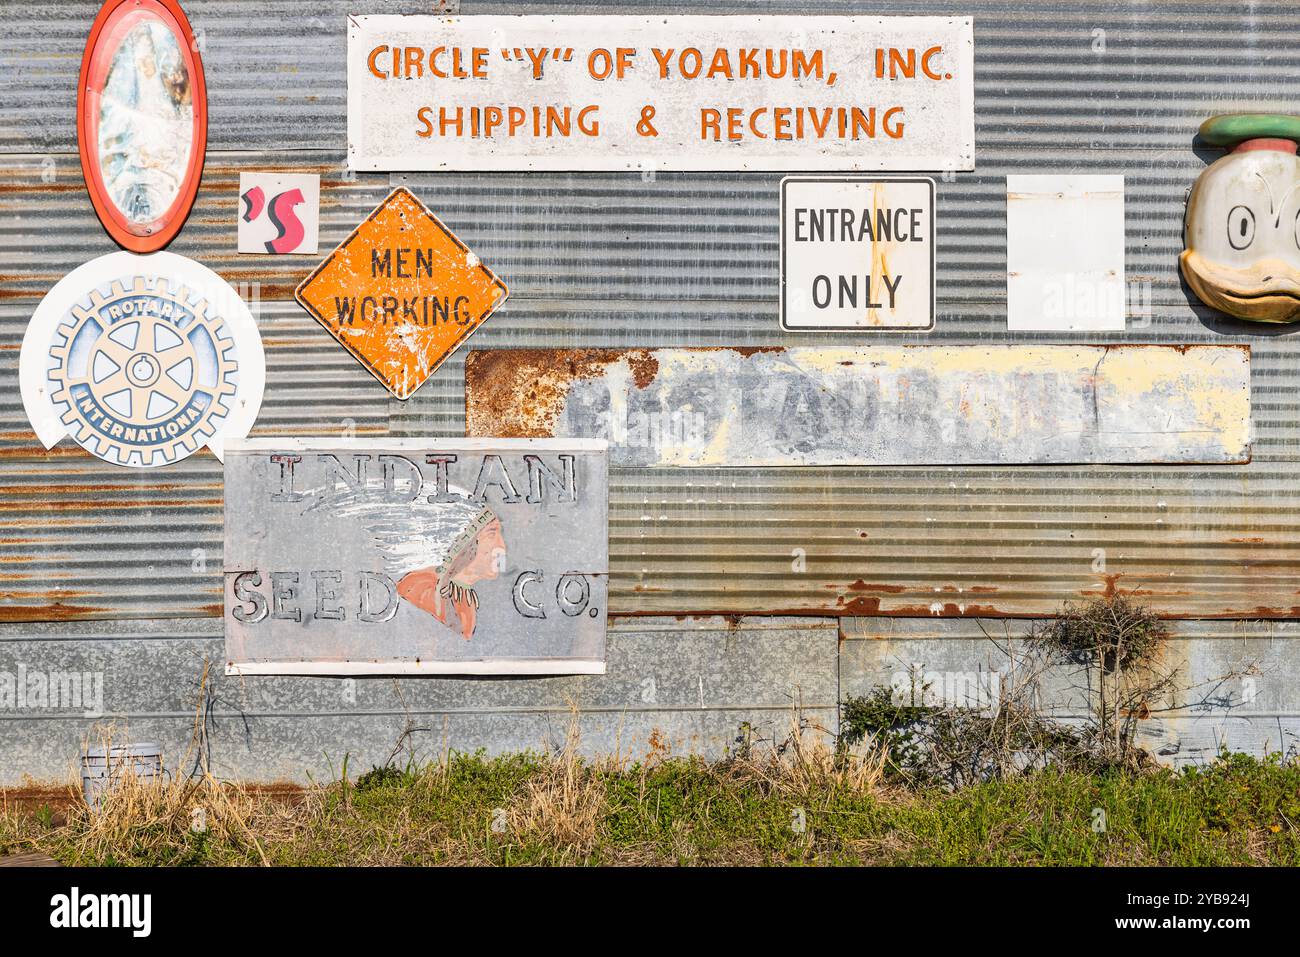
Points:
(401, 293)
(143, 360)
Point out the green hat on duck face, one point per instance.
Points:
(1232, 128)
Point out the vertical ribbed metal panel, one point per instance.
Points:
(680, 259)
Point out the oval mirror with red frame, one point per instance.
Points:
(142, 121)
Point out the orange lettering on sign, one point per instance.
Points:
(401, 293)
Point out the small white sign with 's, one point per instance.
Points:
(857, 253)
(279, 213)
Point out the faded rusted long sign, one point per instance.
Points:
(889, 405)
(660, 92)
(411, 556)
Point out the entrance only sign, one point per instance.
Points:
(857, 253)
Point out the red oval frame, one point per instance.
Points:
(90, 85)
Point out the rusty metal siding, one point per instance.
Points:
(612, 260)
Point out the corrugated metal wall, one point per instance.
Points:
(616, 260)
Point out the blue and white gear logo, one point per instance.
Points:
(143, 373)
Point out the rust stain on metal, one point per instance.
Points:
(1130, 592)
(40, 189)
(60, 798)
(875, 607)
(90, 504)
(31, 448)
(1259, 611)
(62, 523)
(860, 585)
(47, 489)
(517, 393)
(1111, 588)
(872, 608)
(51, 611)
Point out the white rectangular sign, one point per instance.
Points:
(660, 92)
(857, 253)
(1065, 253)
(731, 407)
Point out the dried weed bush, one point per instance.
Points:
(1119, 645)
(1107, 654)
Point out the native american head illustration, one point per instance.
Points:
(435, 551)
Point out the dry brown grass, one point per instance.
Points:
(806, 762)
(795, 799)
(562, 805)
(155, 815)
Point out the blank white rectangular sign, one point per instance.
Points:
(1065, 253)
(660, 92)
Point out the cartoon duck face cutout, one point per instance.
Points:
(1242, 230)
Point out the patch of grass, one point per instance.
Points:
(799, 803)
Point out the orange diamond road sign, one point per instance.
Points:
(401, 293)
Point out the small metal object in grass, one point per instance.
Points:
(103, 768)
